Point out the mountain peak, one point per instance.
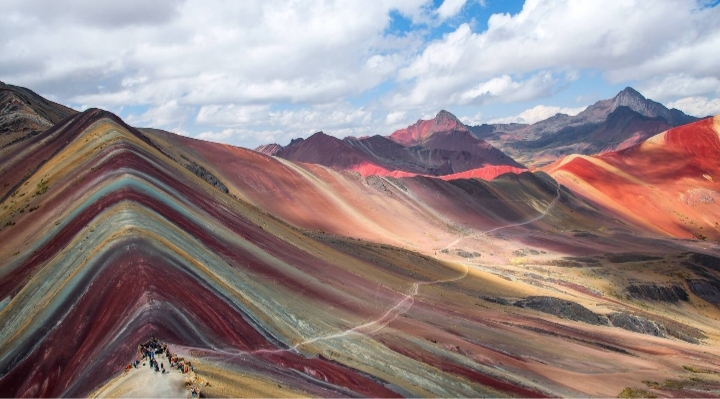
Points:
(318, 135)
(444, 121)
(632, 99)
(446, 116)
(629, 91)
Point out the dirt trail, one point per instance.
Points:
(535, 219)
(403, 305)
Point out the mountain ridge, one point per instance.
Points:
(447, 148)
(523, 141)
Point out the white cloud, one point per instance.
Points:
(232, 68)
(504, 89)
(166, 115)
(697, 106)
(250, 138)
(231, 114)
(680, 85)
(475, 120)
(537, 114)
(450, 8)
(203, 52)
(624, 40)
(105, 14)
(237, 123)
(394, 117)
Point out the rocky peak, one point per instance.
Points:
(637, 102)
(446, 116)
(445, 121)
(296, 141)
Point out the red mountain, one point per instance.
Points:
(668, 183)
(423, 129)
(439, 147)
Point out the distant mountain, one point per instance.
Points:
(418, 133)
(442, 146)
(23, 113)
(607, 125)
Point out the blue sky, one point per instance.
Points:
(254, 72)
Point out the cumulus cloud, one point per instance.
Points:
(537, 114)
(249, 138)
(231, 114)
(228, 69)
(474, 120)
(204, 52)
(450, 8)
(394, 117)
(105, 14)
(238, 122)
(624, 40)
(166, 115)
(697, 106)
(504, 89)
(680, 85)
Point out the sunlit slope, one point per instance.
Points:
(669, 184)
(421, 213)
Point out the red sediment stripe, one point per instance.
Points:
(470, 374)
(11, 283)
(75, 352)
(323, 370)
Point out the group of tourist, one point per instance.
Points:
(152, 350)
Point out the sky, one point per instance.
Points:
(259, 71)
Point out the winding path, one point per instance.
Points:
(533, 220)
(405, 304)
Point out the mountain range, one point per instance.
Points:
(439, 147)
(445, 146)
(608, 125)
(306, 273)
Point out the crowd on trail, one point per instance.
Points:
(153, 350)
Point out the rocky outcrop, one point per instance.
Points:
(653, 292)
(705, 289)
(18, 121)
(709, 261)
(207, 176)
(631, 322)
(630, 257)
(637, 324)
(664, 328)
(563, 309)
